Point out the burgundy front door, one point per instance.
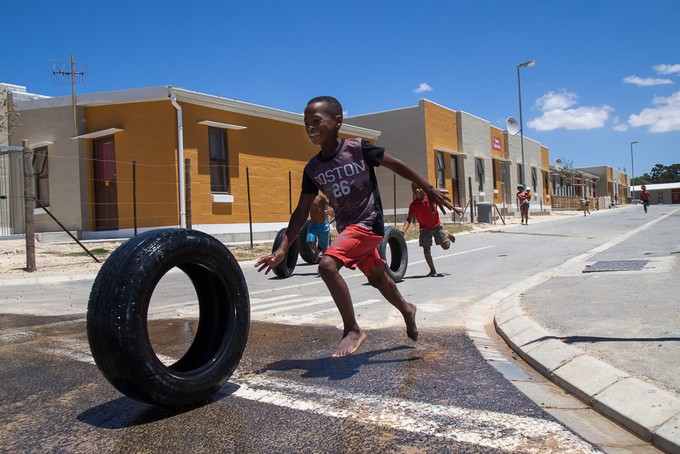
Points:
(105, 188)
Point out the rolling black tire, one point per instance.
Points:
(397, 262)
(118, 308)
(287, 265)
(306, 252)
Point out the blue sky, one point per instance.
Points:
(607, 72)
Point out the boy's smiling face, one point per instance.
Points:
(322, 127)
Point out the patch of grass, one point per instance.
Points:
(414, 231)
(244, 252)
(98, 252)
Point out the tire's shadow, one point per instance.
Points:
(126, 412)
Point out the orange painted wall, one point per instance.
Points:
(441, 131)
(274, 152)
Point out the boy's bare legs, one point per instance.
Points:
(389, 290)
(427, 252)
(352, 334)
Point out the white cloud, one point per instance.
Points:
(552, 101)
(646, 81)
(422, 88)
(665, 117)
(618, 126)
(558, 112)
(667, 69)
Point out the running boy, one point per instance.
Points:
(430, 226)
(344, 171)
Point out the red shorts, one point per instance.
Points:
(356, 247)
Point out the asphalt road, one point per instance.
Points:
(439, 394)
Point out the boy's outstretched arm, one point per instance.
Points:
(297, 220)
(407, 224)
(436, 197)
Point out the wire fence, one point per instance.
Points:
(147, 194)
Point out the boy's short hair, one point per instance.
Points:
(333, 105)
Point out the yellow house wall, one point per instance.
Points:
(149, 138)
(496, 133)
(545, 170)
(441, 131)
(274, 152)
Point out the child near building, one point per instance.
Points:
(430, 226)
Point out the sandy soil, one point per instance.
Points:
(54, 259)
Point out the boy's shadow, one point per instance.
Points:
(336, 368)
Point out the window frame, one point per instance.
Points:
(441, 170)
(219, 161)
(41, 177)
(479, 167)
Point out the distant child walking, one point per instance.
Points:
(644, 196)
(586, 205)
(430, 226)
(344, 170)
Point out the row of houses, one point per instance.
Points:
(125, 161)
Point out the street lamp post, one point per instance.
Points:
(521, 126)
(632, 171)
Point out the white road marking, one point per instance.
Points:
(451, 255)
(291, 304)
(493, 429)
(319, 282)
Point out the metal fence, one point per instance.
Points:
(12, 220)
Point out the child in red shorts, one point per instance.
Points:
(344, 171)
(430, 226)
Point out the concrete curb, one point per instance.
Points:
(646, 410)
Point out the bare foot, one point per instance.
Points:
(349, 344)
(410, 319)
(431, 273)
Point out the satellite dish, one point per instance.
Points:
(559, 165)
(512, 126)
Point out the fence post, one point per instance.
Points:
(394, 198)
(187, 190)
(290, 192)
(134, 196)
(472, 202)
(250, 211)
(29, 206)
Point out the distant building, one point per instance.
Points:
(612, 183)
(122, 168)
(459, 153)
(663, 193)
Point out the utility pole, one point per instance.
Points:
(72, 73)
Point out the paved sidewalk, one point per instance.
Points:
(612, 338)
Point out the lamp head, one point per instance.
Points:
(634, 142)
(529, 63)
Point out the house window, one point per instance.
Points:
(219, 165)
(441, 168)
(41, 176)
(480, 174)
(534, 179)
(520, 175)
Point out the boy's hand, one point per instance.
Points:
(438, 199)
(270, 261)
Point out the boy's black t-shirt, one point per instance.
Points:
(348, 180)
